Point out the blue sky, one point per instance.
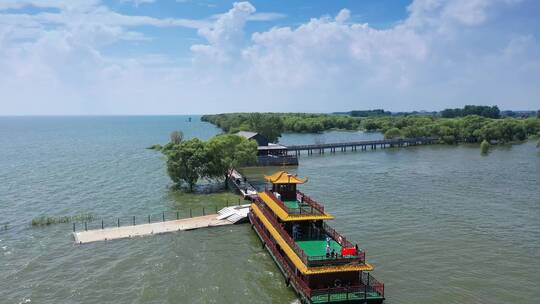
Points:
(79, 57)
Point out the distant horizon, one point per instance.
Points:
(201, 114)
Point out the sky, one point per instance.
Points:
(150, 57)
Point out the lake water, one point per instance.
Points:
(441, 224)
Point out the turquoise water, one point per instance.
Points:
(441, 224)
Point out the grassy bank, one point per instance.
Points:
(50, 220)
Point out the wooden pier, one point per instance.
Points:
(363, 145)
(226, 216)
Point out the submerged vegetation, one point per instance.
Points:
(484, 147)
(471, 128)
(194, 159)
(49, 220)
(156, 147)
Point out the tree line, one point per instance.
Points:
(188, 161)
(470, 128)
(370, 113)
(484, 111)
(272, 125)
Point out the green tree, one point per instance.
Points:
(186, 162)
(226, 152)
(468, 127)
(484, 147)
(270, 126)
(392, 133)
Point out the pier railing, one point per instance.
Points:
(396, 141)
(120, 221)
(313, 261)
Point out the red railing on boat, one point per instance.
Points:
(357, 292)
(313, 261)
(315, 208)
(304, 198)
(369, 283)
(373, 283)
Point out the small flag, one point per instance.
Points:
(348, 251)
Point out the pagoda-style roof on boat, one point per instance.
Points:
(284, 177)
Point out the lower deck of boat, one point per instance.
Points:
(356, 297)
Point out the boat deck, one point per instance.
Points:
(297, 208)
(371, 296)
(292, 204)
(317, 248)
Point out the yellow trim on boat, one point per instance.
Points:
(296, 259)
(284, 216)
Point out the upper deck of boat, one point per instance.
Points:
(301, 209)
(304, 238)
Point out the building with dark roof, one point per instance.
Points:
(260, 139)
(269, 154)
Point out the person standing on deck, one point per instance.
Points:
(327, 250)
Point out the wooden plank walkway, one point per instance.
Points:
(115, 233)
(342, 146)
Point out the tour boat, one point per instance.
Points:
(320, 264)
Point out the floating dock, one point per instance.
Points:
(226, 216)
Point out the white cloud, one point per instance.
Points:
(136, 3)
(225, 35)
(343, 16)
(446, 53)
(326, 48)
